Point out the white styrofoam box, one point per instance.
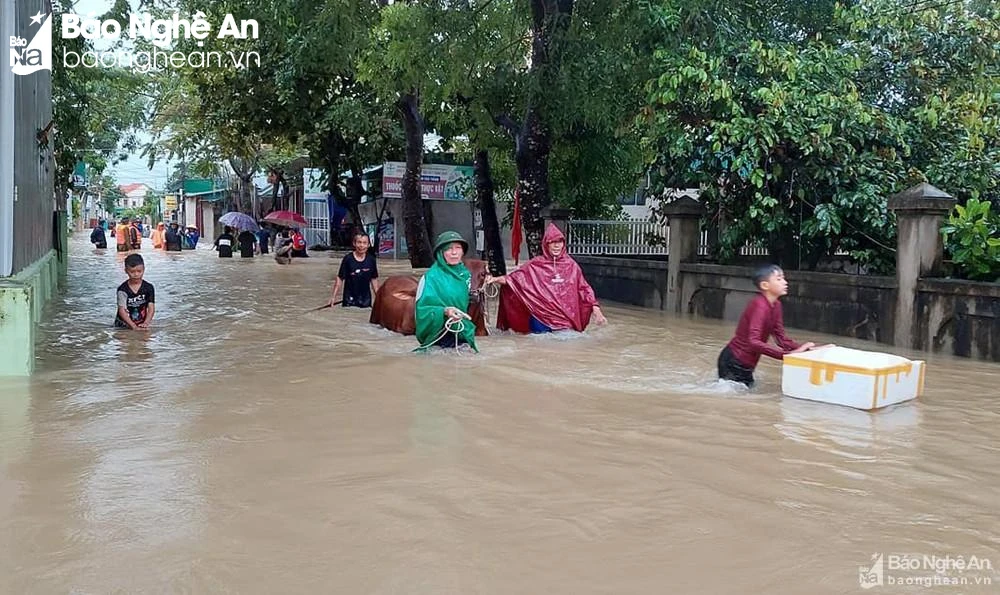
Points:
(860, 379)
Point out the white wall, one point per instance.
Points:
(191, 212)
(208, 221)
(136, 198)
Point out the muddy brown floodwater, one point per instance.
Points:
(246, 446)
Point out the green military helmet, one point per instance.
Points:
(447, 238)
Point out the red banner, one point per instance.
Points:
(515, 231)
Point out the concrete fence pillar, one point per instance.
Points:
(920, 212)
(684, 230)
(558, 215)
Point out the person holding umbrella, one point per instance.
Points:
(294, 221)
(247, 238)
(247, 241)
(286, 219)
(238, 220)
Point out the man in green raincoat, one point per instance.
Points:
(443, 296)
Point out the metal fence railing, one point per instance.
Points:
(746, 250)
(633, 237)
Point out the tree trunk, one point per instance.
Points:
(355, 193)
(277, 179)
(244, 169)
(272, 179)
(532, 159)
(550, 21)
(429, 217)
(248, 192)
(414, 225)
(488, 210)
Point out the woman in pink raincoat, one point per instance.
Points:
(548, 293)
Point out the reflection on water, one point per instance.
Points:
(852, 428)
(249, 444)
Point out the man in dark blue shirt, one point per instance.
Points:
(97, 237)
(263, 239)
(358, 276)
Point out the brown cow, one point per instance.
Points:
(396, 301)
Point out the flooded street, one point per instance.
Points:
(246, 445)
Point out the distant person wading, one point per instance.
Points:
(97, 237)
(172, 239)
(358, 276)
(224, 243)
(247, 241)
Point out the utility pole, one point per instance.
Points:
(180, 193)
(166, 191)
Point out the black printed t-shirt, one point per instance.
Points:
(225, 245)
(246, 240)
(357, 276)
(136, 302)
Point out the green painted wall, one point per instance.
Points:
(22, 301)
(17, 329)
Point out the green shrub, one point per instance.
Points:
(972, 238)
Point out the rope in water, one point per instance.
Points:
(457, 325)
(487, 292)
(484, 308)
(452, 325)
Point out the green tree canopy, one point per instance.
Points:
(799, 132)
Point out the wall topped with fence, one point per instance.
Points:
(632, 238)
(915, 309)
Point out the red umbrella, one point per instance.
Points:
(287, 218)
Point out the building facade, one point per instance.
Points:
(133, 195)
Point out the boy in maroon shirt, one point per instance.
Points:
(761, 319)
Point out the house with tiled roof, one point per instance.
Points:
(134, 195)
